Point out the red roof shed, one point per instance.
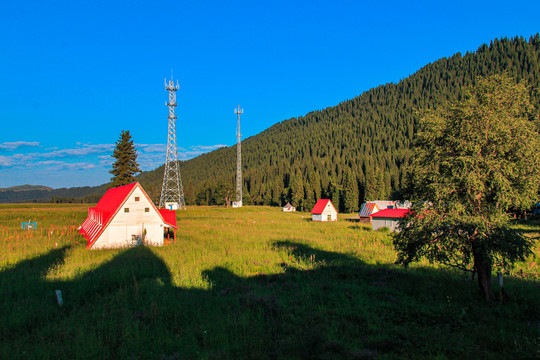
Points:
(388, 218)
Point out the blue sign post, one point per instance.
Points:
(29, 225)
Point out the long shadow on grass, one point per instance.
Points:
(341, 308)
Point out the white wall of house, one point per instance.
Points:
(391, 223)
(329, 214)
(127, 227)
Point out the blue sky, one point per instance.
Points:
(74, 74)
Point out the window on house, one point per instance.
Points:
(136, 198)
(146, 209)
(126, 210)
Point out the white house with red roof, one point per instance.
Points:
(124, 217)
(324, 210)
(289, 207)
(388, 218)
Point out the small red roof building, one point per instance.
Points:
(390, 213)
(324, 210)
(289, 207)
(108, 226)
(387, 218)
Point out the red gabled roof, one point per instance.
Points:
(101, 215)
(113, 198)
(321, 205)
(390, 213)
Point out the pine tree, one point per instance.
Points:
(350, 192)
(297, 189)
(125, 167)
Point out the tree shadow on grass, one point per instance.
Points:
(341, 308)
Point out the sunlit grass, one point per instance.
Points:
(249, 282)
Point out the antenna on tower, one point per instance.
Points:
(172, 193)
(238, 202)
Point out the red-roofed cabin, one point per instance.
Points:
(125, 216)
(387, 218)
(324, 210)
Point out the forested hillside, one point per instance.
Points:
(355, 150)
(348, 153)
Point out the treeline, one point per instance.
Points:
(351, 152)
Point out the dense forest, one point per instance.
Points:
(351, 152)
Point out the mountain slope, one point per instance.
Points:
(352, 151)
(26, 187)
(39, 193)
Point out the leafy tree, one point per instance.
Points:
(474, 160)
(125, 167)
(222, 195)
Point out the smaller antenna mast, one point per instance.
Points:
(238, 112)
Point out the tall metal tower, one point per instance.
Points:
(171, 190)
(238, 112)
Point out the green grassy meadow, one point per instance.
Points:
(248, 283)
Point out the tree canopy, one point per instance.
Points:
(125, 167)
(473, 161)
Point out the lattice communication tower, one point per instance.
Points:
(238, 112)
(172, 191)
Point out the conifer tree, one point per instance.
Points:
(334, 192)
(350, 195)
(297, 189)
(125, 167)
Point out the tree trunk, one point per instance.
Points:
(482, 263)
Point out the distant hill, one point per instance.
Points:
(38, 193)
(26, 188)
(350, 152)
(355, 150)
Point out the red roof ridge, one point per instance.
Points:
(321, 205)
(391, 213)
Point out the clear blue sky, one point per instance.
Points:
(73, 74)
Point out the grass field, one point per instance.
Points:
(249, 283)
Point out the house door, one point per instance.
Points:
(329, 218)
